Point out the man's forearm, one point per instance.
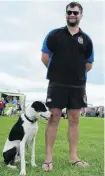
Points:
(45, 63)
(88, 67)
(45, 59)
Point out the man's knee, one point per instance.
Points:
(73, 117)
(56, 115)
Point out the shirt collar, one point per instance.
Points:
(80, 30)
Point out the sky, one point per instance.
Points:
(23, 27)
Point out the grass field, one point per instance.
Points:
(90, 148)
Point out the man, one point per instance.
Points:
(14, 101)
(4, 102)
(67, 53)
(2, 105)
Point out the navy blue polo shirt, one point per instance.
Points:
(68, 56)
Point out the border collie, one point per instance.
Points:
(22, 134)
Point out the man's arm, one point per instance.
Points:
(47, 48)
(90, 54)
(45, 58)
(88, 66)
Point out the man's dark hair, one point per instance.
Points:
(73, 4)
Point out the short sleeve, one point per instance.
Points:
(48, 43)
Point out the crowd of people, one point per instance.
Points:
(12, 102)
(93, 111)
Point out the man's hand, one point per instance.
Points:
(88, 66)
(45, 58)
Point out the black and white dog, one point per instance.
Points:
(22, 134)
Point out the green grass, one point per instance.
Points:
(90, 148)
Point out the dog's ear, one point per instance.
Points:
(39, 106)
(35, 105)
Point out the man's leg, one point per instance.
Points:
(50, 136)
(73, 133)
(57, 98)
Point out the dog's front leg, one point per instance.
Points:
(33, 153)
(22, 156)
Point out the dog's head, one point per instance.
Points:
(38, 108)
(41, 109)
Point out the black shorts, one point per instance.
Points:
(60, 96)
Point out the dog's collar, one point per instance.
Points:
(32, 121)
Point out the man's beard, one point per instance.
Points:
(73, 24)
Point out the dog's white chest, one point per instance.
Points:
(31, 131)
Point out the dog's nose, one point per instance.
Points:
(50, 115)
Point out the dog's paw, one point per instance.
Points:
(33, 165)
(11, 166)
(22, 173)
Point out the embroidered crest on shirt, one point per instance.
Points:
(80, 40)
